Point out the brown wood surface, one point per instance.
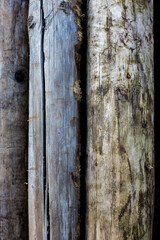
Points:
(120, 167)
(13, 119)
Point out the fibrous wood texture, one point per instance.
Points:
(120, 172)
(55, 37)
(13, 119)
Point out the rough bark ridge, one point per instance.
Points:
(55, 38)
(120, 173)
(13, 119)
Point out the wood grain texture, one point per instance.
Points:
(35, 161)
(54, 203)
(120, 173)
(13, 119)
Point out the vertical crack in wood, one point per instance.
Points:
(45, 171)
(83, 121)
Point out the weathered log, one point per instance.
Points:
(55, 38)
(120, 172)
(13, 119)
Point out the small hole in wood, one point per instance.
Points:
(19, 76)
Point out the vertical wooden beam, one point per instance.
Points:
(55, 39)
(13, 119)
(120, 173)
(35, 161)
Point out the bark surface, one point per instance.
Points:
(120, 167)
(55, 37)
(13, 119)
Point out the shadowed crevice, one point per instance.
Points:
(156, 229)
(45, 170)
(83, 123)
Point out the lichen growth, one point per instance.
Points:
(77, 9)
(77, 90)
(65, 7)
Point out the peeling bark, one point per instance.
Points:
(120, 172)
(55, 38)
(13, 119)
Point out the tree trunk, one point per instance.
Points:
(55, 37)
(13, 119)
(120, 172)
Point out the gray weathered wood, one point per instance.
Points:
(120, 172)
(13, 119)
(54, 201)
(35, 161)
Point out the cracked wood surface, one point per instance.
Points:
(120, 172)
(54, 205)
(13, 119)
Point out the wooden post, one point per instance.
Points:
(120, 173)
(13, 119)
(55, 38)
